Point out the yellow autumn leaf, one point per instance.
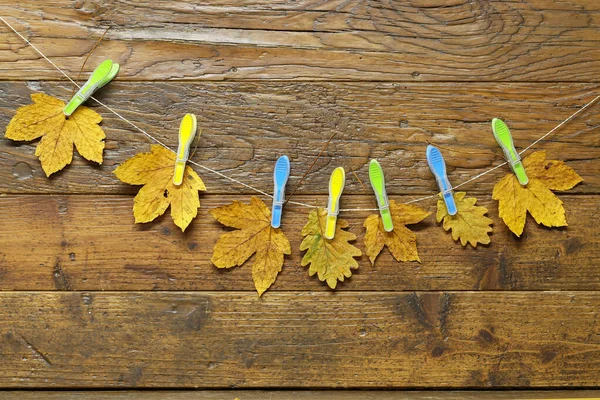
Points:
(332, 259)
(155, 170)
(45, 118)
(470, 224)
(401, 242)
(253, 234)
(514, 200)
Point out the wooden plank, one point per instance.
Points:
(91, 243)
(243, 122)
(343, 340)
(530, 40)
(301, 395)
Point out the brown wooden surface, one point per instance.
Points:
(386, 78)
(299, 339)
(301, 395)
(243, 122)
(418, 40)
(91, 243)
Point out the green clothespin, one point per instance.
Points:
(378, 183)
(504, 139)
(104, 73)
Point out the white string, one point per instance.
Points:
(267, 194)
(561, 124)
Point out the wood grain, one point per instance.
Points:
(420, 40)
(91, 243)
(247, 126)
(300, 395)
(224, 340)
(89, 300)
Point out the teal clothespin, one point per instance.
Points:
(504, 139)
(378, 183)
(280, 178)
(104, 73)
(437, 165)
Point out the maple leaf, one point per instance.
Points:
(155, 170)
(330, 259)
(470, 224)
(514, 200)
(254, 234)
(401, 242)
(45, 118)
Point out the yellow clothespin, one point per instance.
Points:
(104, 73)
(187, 132)
(336, 187)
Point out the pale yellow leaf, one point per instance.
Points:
(155, 170)
(470, 224)
(330, 259)
(45, 118)
(254, 235)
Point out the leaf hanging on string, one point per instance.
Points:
(470, 224)
(514, 200)
(45, 118)
(401, 242)
(155, 170)
(254, 234)
(330, 259)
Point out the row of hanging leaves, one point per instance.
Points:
(332, 260)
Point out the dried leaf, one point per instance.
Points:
(154, 170)
(44, 118)
(254, 234)
(514, 200)
(401, 242)
(470, 224)
(331, 259)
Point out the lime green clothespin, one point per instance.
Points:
(378, 183)
(504, 139)
(187, 132)
(104, 73)
(336, 187)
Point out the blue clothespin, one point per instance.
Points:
(438, 169)
(280, 178)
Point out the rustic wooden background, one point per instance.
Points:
(91, 300)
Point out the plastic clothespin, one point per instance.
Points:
(280, 178)
(336, 187)
(104, 73)
(504, 139)
(378, 184)
(437, 165)
(187, 132)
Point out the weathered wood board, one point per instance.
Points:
(299, 339)
(91, 243)
(422, 40)
(89, 300)
(242, 124)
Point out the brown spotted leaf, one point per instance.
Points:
(470, 224)
(330, 259)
